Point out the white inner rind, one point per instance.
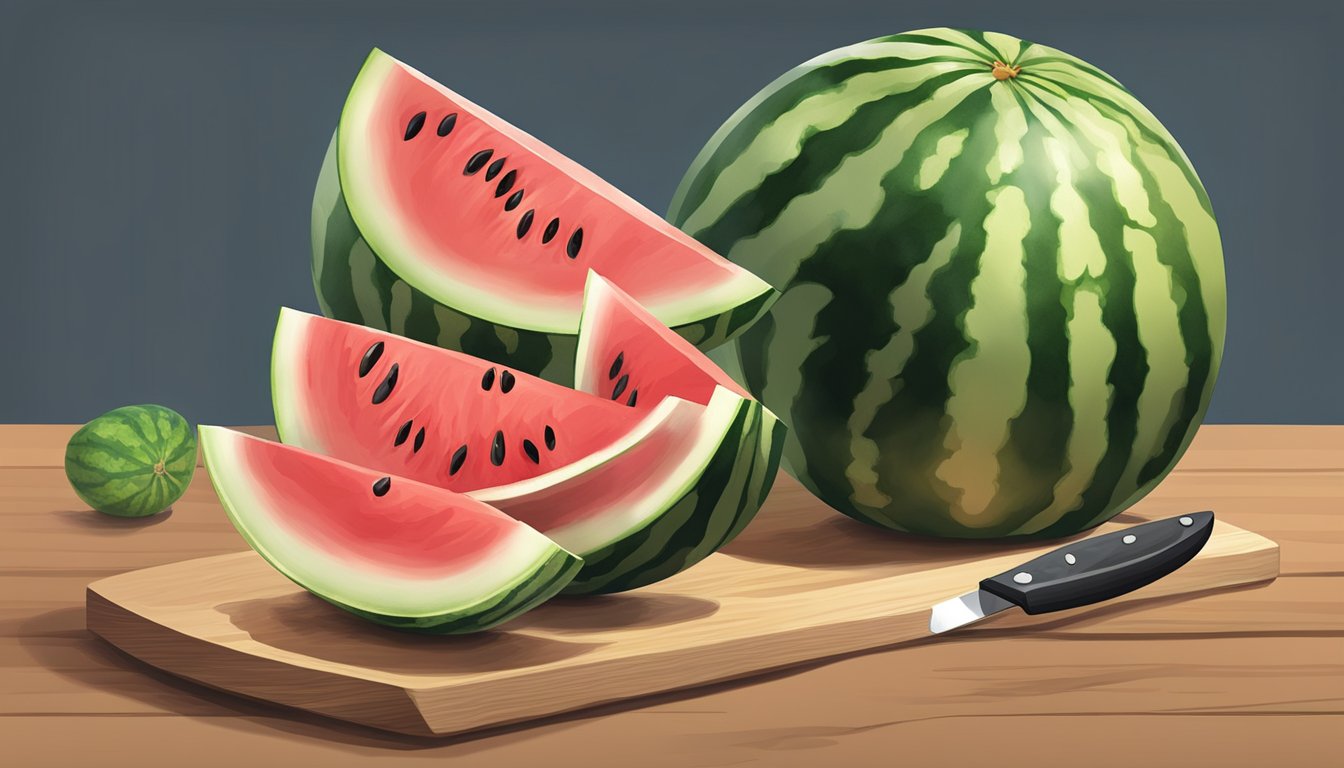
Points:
(243, 492)
(595, 299)
(287, 400)
(382, 225)
(653, 486)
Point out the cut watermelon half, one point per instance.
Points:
(390, 549)
(436, 219)
(638, 493)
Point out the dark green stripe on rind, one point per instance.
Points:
(1038, 436)
(818, 157)
(695, 188)
(1130, 366)
(772, 433)
(723, 501)
(529, 591)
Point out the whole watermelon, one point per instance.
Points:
(1003, 296)
(132, 461)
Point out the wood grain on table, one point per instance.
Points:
(1252, 677)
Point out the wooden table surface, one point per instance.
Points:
(1249, 677)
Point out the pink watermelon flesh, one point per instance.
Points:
(421, 412)
(628, 356)
(410, 529)
(487, 219)
(553, 507)
(390, 549)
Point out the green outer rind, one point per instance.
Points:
(827, 345)
(527, 590)
(722, 502)
(531, 590)
(110, 461)
(354, 284)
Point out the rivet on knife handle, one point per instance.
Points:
(1103, 567)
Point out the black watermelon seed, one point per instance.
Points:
(371, 356)
(488, 380)
(550, 438)
(403, 433)
(494, 169)
(514, 200)
(531, 450)
(551, 229)
(412, 128)
(380, 394)
(477, 161)
(506, 183)
(381, 486)
(621, 384)
(634, 395)
(575, 243)
(497, 450)
(420, 440)
(447, 123)
(616, 365)
(459, 456)
(506, 381)
(525, 223)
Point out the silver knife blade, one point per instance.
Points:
(967, 609)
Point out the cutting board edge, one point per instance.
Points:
(202, 662)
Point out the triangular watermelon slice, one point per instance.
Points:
(639, 493)
(390, 549)
(626, 355)
(435, 219)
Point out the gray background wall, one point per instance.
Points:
(157, 159)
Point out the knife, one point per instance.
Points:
(1083, 572)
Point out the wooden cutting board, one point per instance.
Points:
(801, 584)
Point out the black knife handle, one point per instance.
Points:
(1102, 567)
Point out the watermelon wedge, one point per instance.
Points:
(390, 549)
(627, 355)
(435, 219)
(639, 493)
(440, 417)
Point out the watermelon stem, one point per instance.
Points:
(1003, 71)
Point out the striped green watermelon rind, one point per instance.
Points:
(536, 582)
(1003, 301)
(532, 589)
(723, 500)
(132, 461)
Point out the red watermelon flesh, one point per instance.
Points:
(487, 219)
(627, 355)
(421, 412)
(389, 548)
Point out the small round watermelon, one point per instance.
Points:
(133, 461)
(1002, 286)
